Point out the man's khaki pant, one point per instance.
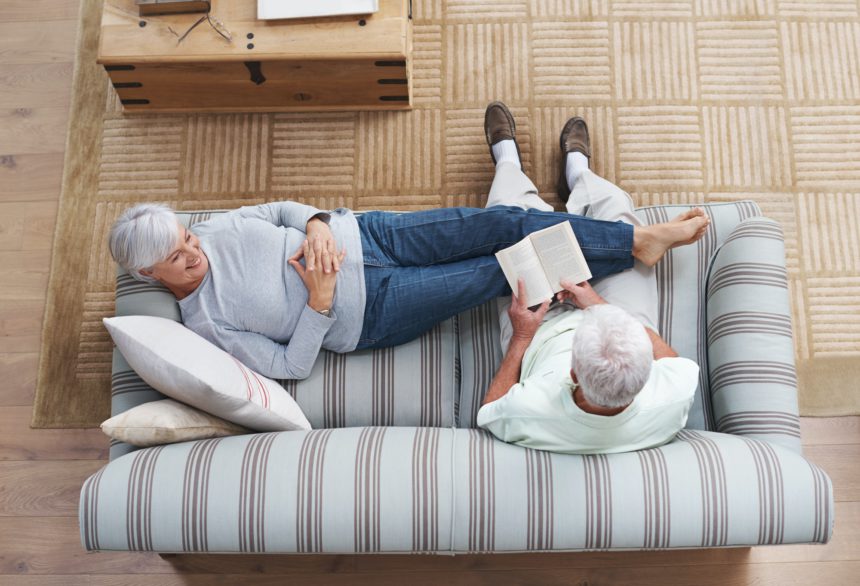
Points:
(634, 290)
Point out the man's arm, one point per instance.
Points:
(661, 348)
(525, 325)
(509, 372)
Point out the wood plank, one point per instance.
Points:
(19, 442)
(842, 464)
(38, 10)
(27, 226)
(38, 42)
(800, 574)
(39, 489)
(18, 373)
(25, 274)
(32, 177)
(830, 430)
(33, 130)
(21, 325)
(47, 85)
(50, 545)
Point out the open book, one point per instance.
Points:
(543, 259)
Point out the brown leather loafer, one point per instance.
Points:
(574, 139)
(499, 125)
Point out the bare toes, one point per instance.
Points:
(690, 214)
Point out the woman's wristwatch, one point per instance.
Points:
(324, 312)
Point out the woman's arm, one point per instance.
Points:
(285, 213)
(294, 360)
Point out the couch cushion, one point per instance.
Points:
(396, 489)
(480, 356)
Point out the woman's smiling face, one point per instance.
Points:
(184, 268)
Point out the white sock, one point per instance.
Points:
(574, 166)
(505, 151)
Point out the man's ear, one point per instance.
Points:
(573, 376)
(145, 272)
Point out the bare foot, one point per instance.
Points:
(650, 243)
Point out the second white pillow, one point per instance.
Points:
(166, 422)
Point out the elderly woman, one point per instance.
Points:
(272, 284)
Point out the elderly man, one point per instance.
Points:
(596, 379)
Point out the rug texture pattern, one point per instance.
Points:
(687, 100)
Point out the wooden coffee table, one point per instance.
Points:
(343, 63)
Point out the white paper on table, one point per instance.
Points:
(275, 9)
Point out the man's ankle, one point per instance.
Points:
(505, 151)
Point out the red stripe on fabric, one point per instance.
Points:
(247, 380)
(264, 392)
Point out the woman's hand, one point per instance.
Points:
(319, 282)
(525, 322)
(316, 228)
(582, 295)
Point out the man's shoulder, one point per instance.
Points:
(672, 380)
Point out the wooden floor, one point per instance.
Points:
(41, 471)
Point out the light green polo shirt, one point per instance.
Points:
(539, 412)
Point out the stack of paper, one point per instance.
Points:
(274, 9)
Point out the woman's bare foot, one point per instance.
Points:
(650, 243)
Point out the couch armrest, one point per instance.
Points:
(753, 383)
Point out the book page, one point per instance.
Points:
(560, 255)
(520, 260)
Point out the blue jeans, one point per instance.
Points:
(421, 268)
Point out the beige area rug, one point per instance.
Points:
(688, 101)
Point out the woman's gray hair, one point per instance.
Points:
(612, 356)
(143, 236)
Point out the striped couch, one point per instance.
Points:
(395, 463)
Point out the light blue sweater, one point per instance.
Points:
(253, 304)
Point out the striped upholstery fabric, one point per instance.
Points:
(435, 484)
(480, 356)
(750, 349)
(396, 489)
(681, 280)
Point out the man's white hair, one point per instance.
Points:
(143, 236)
(612, 356)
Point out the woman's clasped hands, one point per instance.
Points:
(322, 263)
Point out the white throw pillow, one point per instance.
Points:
(166, 422)
(184, 366)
